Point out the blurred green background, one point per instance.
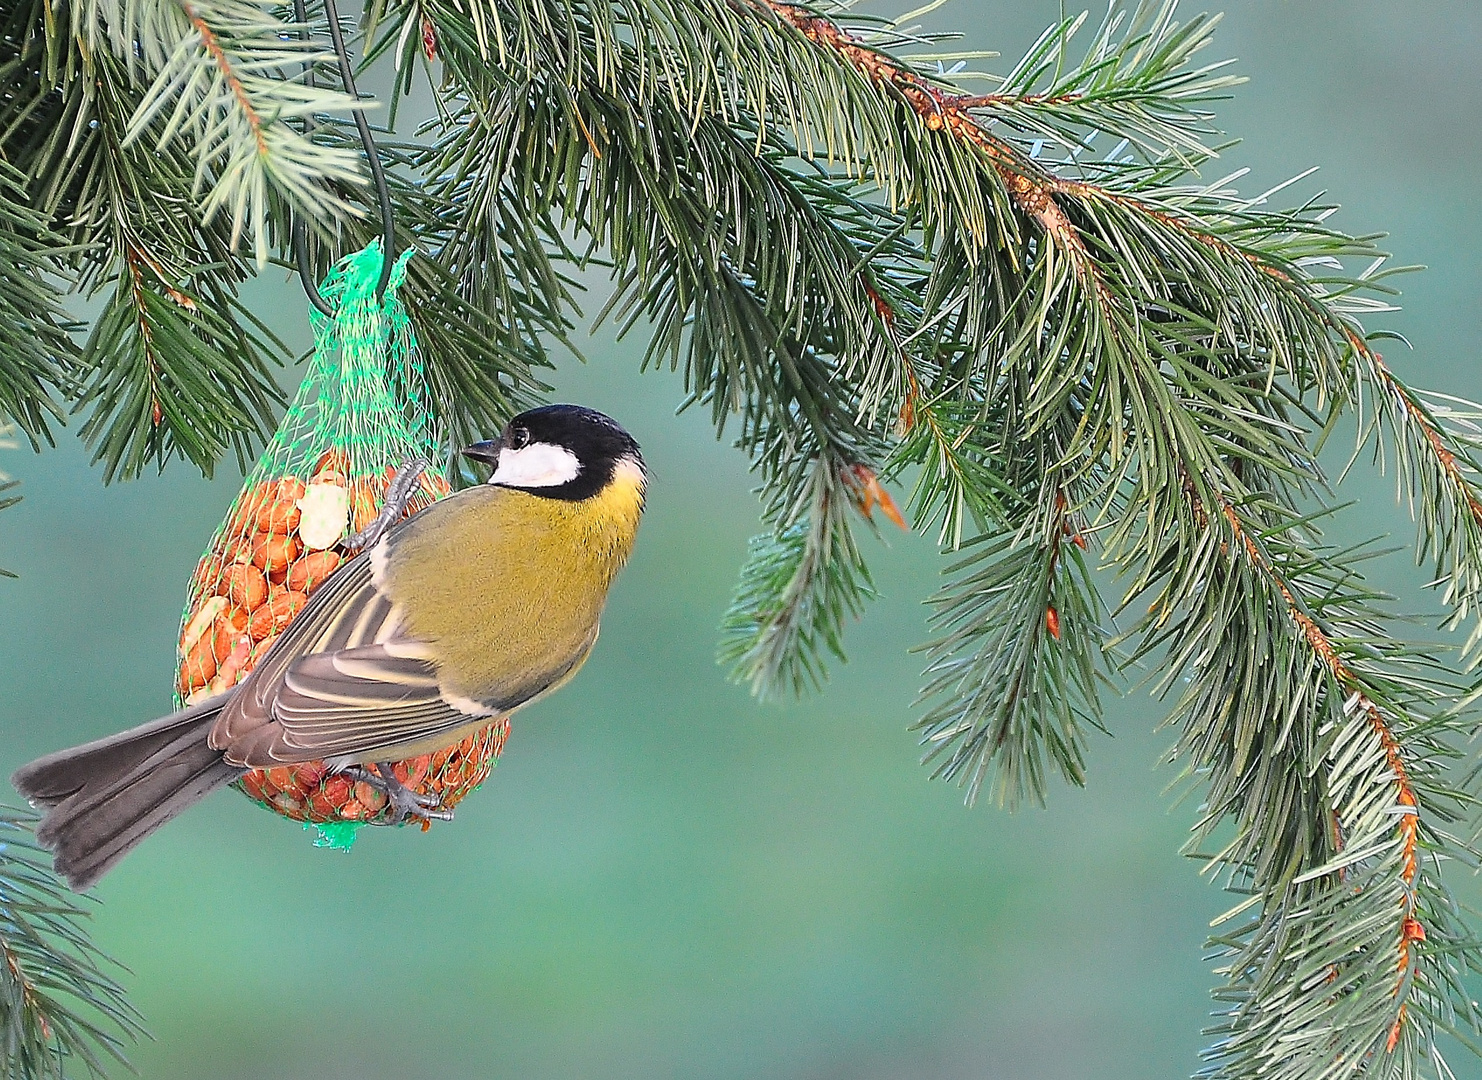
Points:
(662, 878)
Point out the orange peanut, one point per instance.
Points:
(278, 612)
(336, 462)
(251, 502)
(208, 573)
(279, 516)
(224, 637)
(260, 650)
(306, 574)
(198, 666)
(245, 586)
(365, 502)
(275, 552)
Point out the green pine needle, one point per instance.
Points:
(1028, 304)
(62, 1011)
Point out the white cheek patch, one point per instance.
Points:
(535, 466)
(628, 469)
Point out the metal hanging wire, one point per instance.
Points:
(373, 159)
(306, 274)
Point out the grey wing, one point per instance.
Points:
(355, 704)
(339, 682)
(348, 605)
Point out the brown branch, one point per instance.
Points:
(1180, 223)
(134, 260)
(223, 63)
(1411, 929)
(988, 101)
(29, 1000)
(1433, 436)
(1032, 190)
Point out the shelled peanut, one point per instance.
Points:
(312, 794)
(280, 545)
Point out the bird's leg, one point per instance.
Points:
(398, 495)
(406, 804)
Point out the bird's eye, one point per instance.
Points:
(518, 438)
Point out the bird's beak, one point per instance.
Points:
(486, 451)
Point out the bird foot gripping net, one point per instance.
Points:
(357, 417)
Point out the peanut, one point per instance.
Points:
(231, 667)
(260, 650)
(365, 502)
(278, 612)
(275, 552)
(245, 585)
(201, 621)
(208, 573)
(279, 517)
(325, 511)
(332, 462)
(306, 574)
(224, 638)
(197, 667)
(248, 506)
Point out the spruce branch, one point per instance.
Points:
(1434, 440)
(1263, 259)
(129, 225)
(62, 1011)
(35, 346)
(1013, 678)
(799, 585)
(1138, 78)
(1340, 808)
(216, 70)
(168, 371)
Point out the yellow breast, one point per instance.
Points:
(507, 587)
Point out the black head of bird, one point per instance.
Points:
(560, 452)
(467, 611)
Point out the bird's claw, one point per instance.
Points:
(398, 496)
(407, 805)
(403, 803)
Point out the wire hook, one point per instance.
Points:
(378, 174)
(306, 269)
(306, 274)
(373, 159)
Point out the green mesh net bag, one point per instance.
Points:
(356, 418)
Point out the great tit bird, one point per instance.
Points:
(478, 605)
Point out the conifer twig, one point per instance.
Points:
(62, 1012)
(1084, 360)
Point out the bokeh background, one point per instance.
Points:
(663, 878)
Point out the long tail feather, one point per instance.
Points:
(107, 796)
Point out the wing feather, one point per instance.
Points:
(354, 702)
(346, 681)
(344, 612)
